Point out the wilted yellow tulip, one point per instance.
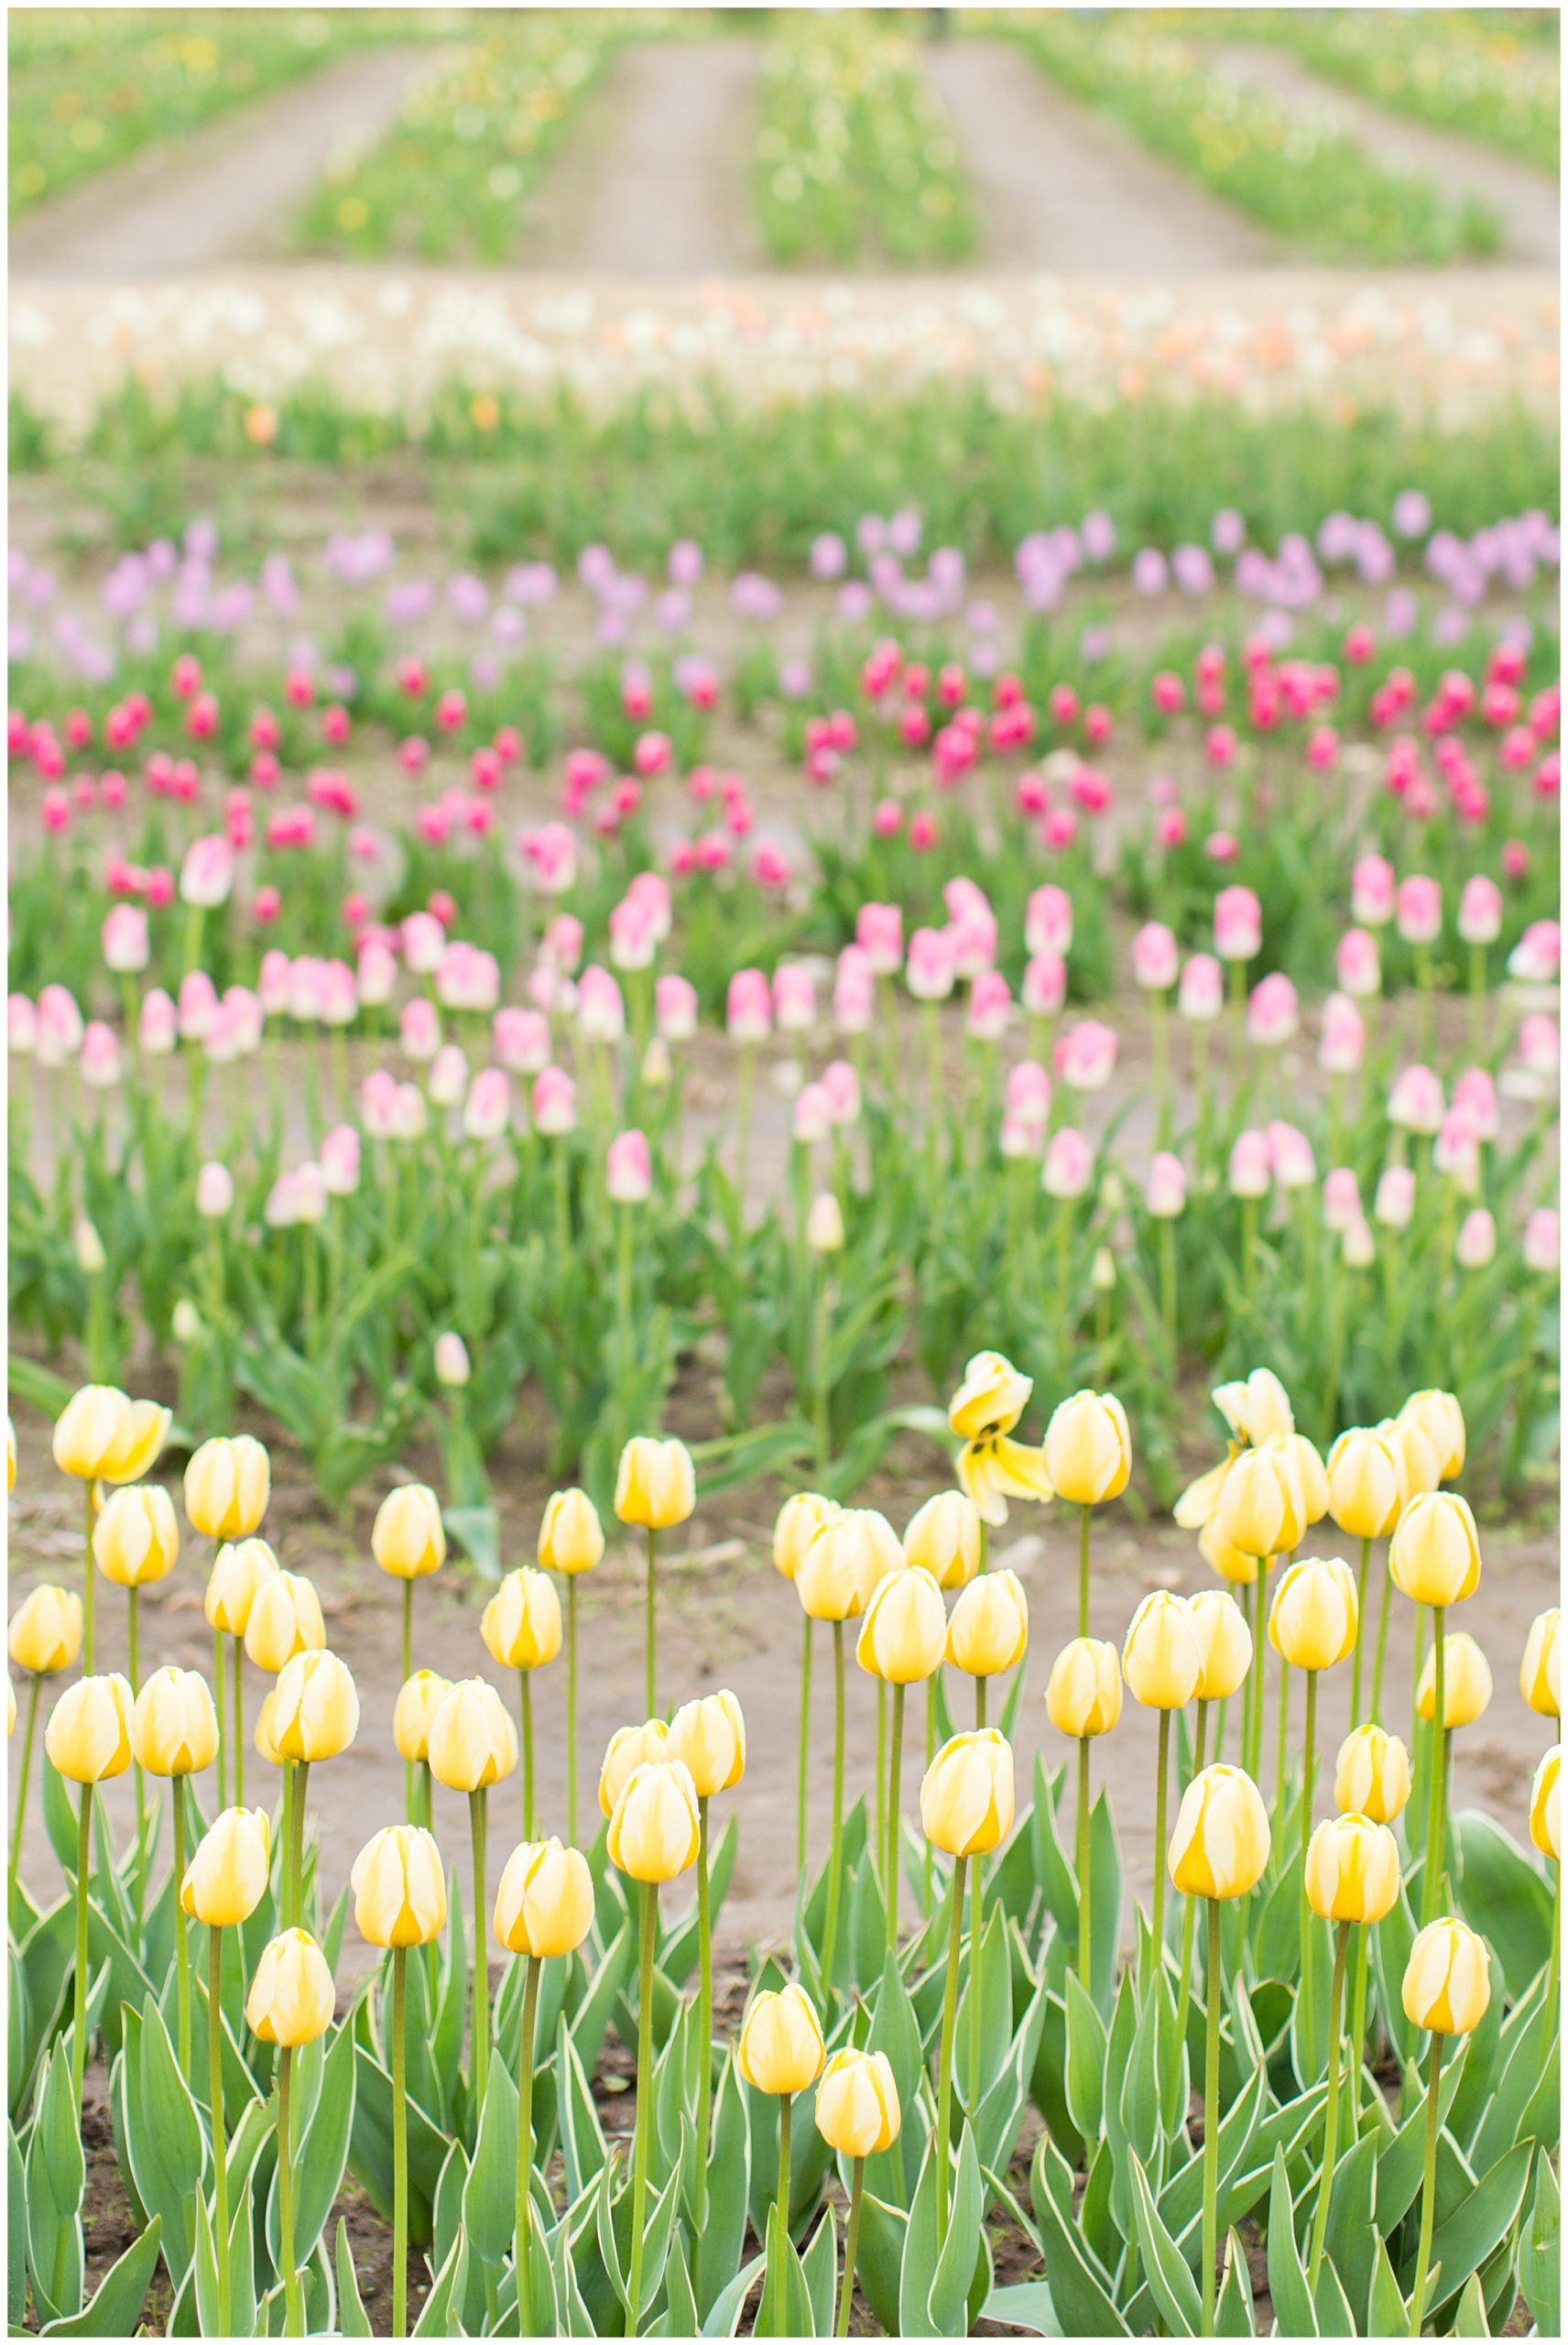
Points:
(655, 1484)
(1262, 1506)
(904, 1634)
(1467, 1683)
(799, 1520)
(781, 2050)
(708, 1736)
(45, 1634)
(995, 1468)
(1085, 1693)
(227, 1484)
(857, 2103)
(655, 1831)
(472, 1742)
(135, 1539)
(239, 1568)
(943, 1537)
(1545, 1829)
(1441, 1420)
(174, 1728)
(1088, 1449)
(521, 1623)
(1220, 1846)
(88, 1736)
(418, 1699)
(1372, 1775)
(1540, 1681)
(399, 1887)
(1447, 1982)
(626, 1749)
(407, 1538)
(1435, 1555)
(571, 1537)
(1224, 1642)
(316, 1707)
(284, 1618)
(1161, 1659)
(1231, 1564)
(991, 1399)
(966, 1799)
(1366, 1484)
(1313, 1619)
(226, 1878)
(989, 1628)
(290, 1998)
(1255, 1407)
(544, 1905)
(1353, 1870)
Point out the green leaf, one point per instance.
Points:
(1233, 2308)
(1541, 2249)
(1470, 2320)
(165, 2139)
(56, 2173)
(1502, 1895)
(581, 2136)
(1401, 2163)
(723, 2234)
(948, 2299)
(1331, 2303)
(1468, 2238)
(114, 2309)
(894, 2172)
(1287, 2280)
(819, 2267)
(1079, 2288)
(490, 2193)
(1170, 2281)
(724, 2317)
(1390, 2316)
(322, 2155)
(15, 2233)
(1086, 2054)
(435, 2319)
(1026, 2305)
(1351, 2232)
(353, 2319)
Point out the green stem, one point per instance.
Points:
(895, 1769)
(22, 1775)
(851, 2249)
(704, 2008)
(1358, 2030)
(1161, 1781)
(222, 1706)
(88, 1607)
(1360, 1617)
(1086, 1516)
(296, 1846)
(944, 2061)
(976, 1933)
(181, 1928)
(477, 1805)
(1190, 1913)
(1553, 1965)
(83, 1866)
(572, 1709)
(1282, 1743)
(821, 1394)
(650, 1626)
(802, 1765)
(1085, 1875)
(1212, 2116)
(878, 1849)
(644, 2097)
(1309, 1738)
(133, 1655)
(1331, 2121)
(786, 2107)
(239, 1721)
(1375, 1704)
(1433, 1869)
(293, 2295)
(525, 1704)
(220, 2132)
(835, 1846)
(927, 1869)
(522, 2245)
(408, 1673)
(1429, 2189)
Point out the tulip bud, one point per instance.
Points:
(1262, 1506)
(781, 2050)
(88, 1736)
(655, 1485)
(1353, 1870)
(904, 1632)
(1434, 1555)
(452, 1361)
(136, 1538)
(284, 1618)
(407, 1538)
(418, 1699)
(655, 1829)
(316, 1707)
(1313, 1619)
(238, 1572)
(227, 1484)
(174, 1728)
(824, 1224)
(1467, 1683)
(521, 1623)
(966, 1799)
(800, 1519)
(1544, 1827)
(1447, 1982)
(943, 1538)
(1372, 1775)
(103, 1436)
(46, 1631)
(626, 1749)
(1366, 1484)
(1255, 1407)
(989, 1628)
(290, 1998)
(840, 1568)
(1540, 1673)
(1088, 1449)
(571, 1537)
(226, 1878)
(1084, 1697)
(472, 1742)
(857, 2103)
(1220, 1846)
(991, 1399)
(1441, 1419)
(1161, 1659)
(1224, 1642)
(400, 1888)
(544, 1905)
(708, 1737)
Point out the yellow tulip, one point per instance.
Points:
(227, 1484)
(1541, 1679)
(1262, 1506)
(1088, 1449)
(708, 1737)
(263, 1737)
(995, 1468)
(1220, 1846)
(141, 1441)
(781, 2050)
(655, 1829)
(316, 1712)
(857, 2103)
(991, 1399)
(284, 1618)
(1366, 1484)
(989, 1628)
(1310, 1473)
(1544, 1825)
(521, 1623)
(1372, 1775)
(1466, 1682)
(135, 1539)
(943, 1538)
(966, 1799)
(88, 1736)
(239, 1568)
(626, 1749)
(290, 1998)
(1313, 1619)
(45, 1635)
(904, 1634)
(1084, 1697)
(92, 1430)
(1435, 1555)
(1441, 1420)
(1198, 1505)
(1255, 1407)
(174, 1728)
(472, 1742)
(1161, 1659)
(400, 1888)
(1420, 1467)
(799, 1520)
(839, 1567)
(544, 1905)
(418, 1699)
(1224, 1642)
(655, 1484)
(1447, 1982)
(571, 1537)
(1353, 1870)
(1241, 1570)
(226, 1878)
(407, 1538)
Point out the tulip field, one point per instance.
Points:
(784, 1360)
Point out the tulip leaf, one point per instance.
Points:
(447, 2214)
(320, 2156)
(1287, 2279)
(1080, 2288)
(1052, 1870)
(722, 2233)
(922, 2245)
(947, 2299)
(114, 2309)
(724, 2316)
(894, 2033)
(1331, 2305)
(164, 2136)
(882, 2232)
(1170, 2281)
(1390, 2314)
(1464, 2242)
(1539, 2250)
(1392, 1939)
(1502, 1895)
(656, 2234)
(353, 2319)
(1026, 2305)
(435, 2316)
(477, 1531)
(679, 2317)
(591, 2020)
(1233, 2307)
(59, 1821)
(15, 2233)
(1470, 2320)
(490, 2193)
(581, 2136)
(819, 2268)
(1105, 1916)
(1350, 2235)
(370, 2147)
(56, 2177)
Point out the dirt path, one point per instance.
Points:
(1526, 199)
(1060, 190)
(652, 182)
(221, 195)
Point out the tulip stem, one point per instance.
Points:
(895, 1769)
(802, 1768)
(1161, 1785)
(220, 2132)
(650, 1625)
(704, 2008)
(928, 1877)
(851, 2249)
(477, 1822)
(644, 2098)
(83, 1865)
(220, 1706)
(181, 1941)
(23, 1773)
(293, 2296)
(1086, 1516)
(835, 1847)
(1433, 1869)
(1309, 1738)
(526, 1704)
(400, 2142)
(523, 2246)
(572, 1709)
(1375, 1706)
(944, 2063)
(1428, 2189)
(1331, 2121)
(408, 1671)
(1190, 1915)
(1360, 1616)
(1357, 2029)
(976, 1919)
(1554, 1964)
(878, 1849)
(301, 1770)
(87, 1609)
(1084, 1878)
(1212, 2116)
(239, 1721)
(1282, 1744)
(786, 2110)
(133, 1655)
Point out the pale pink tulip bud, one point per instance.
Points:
(339, 1160)
(632, 941)
(424, 943)
(748, 1009)
(310, 1194)
(1166, 1194)
(1272, 1012)
(1047, 922)
(1027, 1093)
(1343, 1043)
(550, 854)
(675, 1007)
(521, 1040)
(1415, 1103)
(824, 1224)
(1541, 1245)
(1341, 1198)
(1045, 983)
(928, 971)
(990, 1005)
(376, 974)
(1238, 924)
(158, 1029)
(408, 1113)
(1200, 997)
(1249, 1165)
(214, 1192)
(1359, 1246)
(1537, 958)
(1539, 1044)
(451, 1362)
(60, 1026)
(1477, 1240)
(126, 948)
(339, 995)
(1395, 1199)
(1021, 1136)
(274, 981)
(378, 1097)
(601, 1008)
(1154, 957)
(651, 890)
(972, 941)
(628, 1169)
(449, 1075)
(21, 1026)
(1290, 1156)
(811, 1118)
(1417, 909)
(794, 998)
(207, 874)
(1372, 893)
(1087, 1057)
(1475, 1097)
(879, 932)
(198, 1006)
(100, 1055)
(563, 942)
(842, 1085)
(1480, 910)
(554, 1102)
(1069, 1165)
(1359, 964)
(248, 1019)
(854, 991)
(304, 1002)
(419, 1028)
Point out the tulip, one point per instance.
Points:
(290, 2003)
(1088, 1457)
(839, 1568)
(284, 1618)
(226, 1878)
(781, 2053)
(858, 2116)
(102, 1435)
(44, 1637)
(1367, 1491)
(407, 1540)
(1539, 1672)
(627, 1747)
(413, 1713)
(902, 1640)
(315, 1716)
(1162, 1664)
(800, 1519)
(656, 1487)
(1263, 1508)
(238, 1571)
(544, 1907)
(989, 1628)
(1467, 1683)
(227, 1484)
(1446, 1990)
(966, 1808)
(1084, 1698)
(947, 1538)
(1435, 1558)
(400, 1901)
(521, 1629)
(1352, 1878)
(135, 1542)
(1441, 1419)
(1372, 1775)
(88, 1739)
(570, 1541)
(473, 1744)
(1545, 1832)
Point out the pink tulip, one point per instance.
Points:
(1476, 1097)
(1272, 1013)
(928, 971)
(21, 1026)
(1359, 964)
(447, 1079)
(214, 1192)
(376, 974)
(1238, 924)
(100, 1055)
(339, 1160)
(1541, 1243)
(1087, 1055)
(305, 987)
(1154, 957)
(1047, 923)
(487, 1110)
(841, 1085)
(1045, 983)
(1341, 1198)
(794, 998)
(1251, 1166)
(273, 982)
(377, 1103)
(158, 1029)
(60, 1026)
(601, 1011)
(1020, 1137)
(879, 932)
(1477, 1240)
(1395, 1199)
(554, 1102)
(990, 1007)
(811, 1118)
(1417, 909)
(198, 1006)
(1200, 997)
(1415, 1103)
(563, 942)
(419, 1028)
(424, 943)
(1456, 1150)
(338, 1000)
(854, 991)
(1291, 1157)
(1069, 1165)
(1028, 1093)
(628, 1169)
(468, 979)
(1343, 1043)
(1372, 893)
(125, 935)
(521, 1040)
(207, 874)
(651, 890)
(1539, 1044)
(748, 1008)
(1537, 958)
(632, 940)
(408, 1115)
(1165, 1195)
